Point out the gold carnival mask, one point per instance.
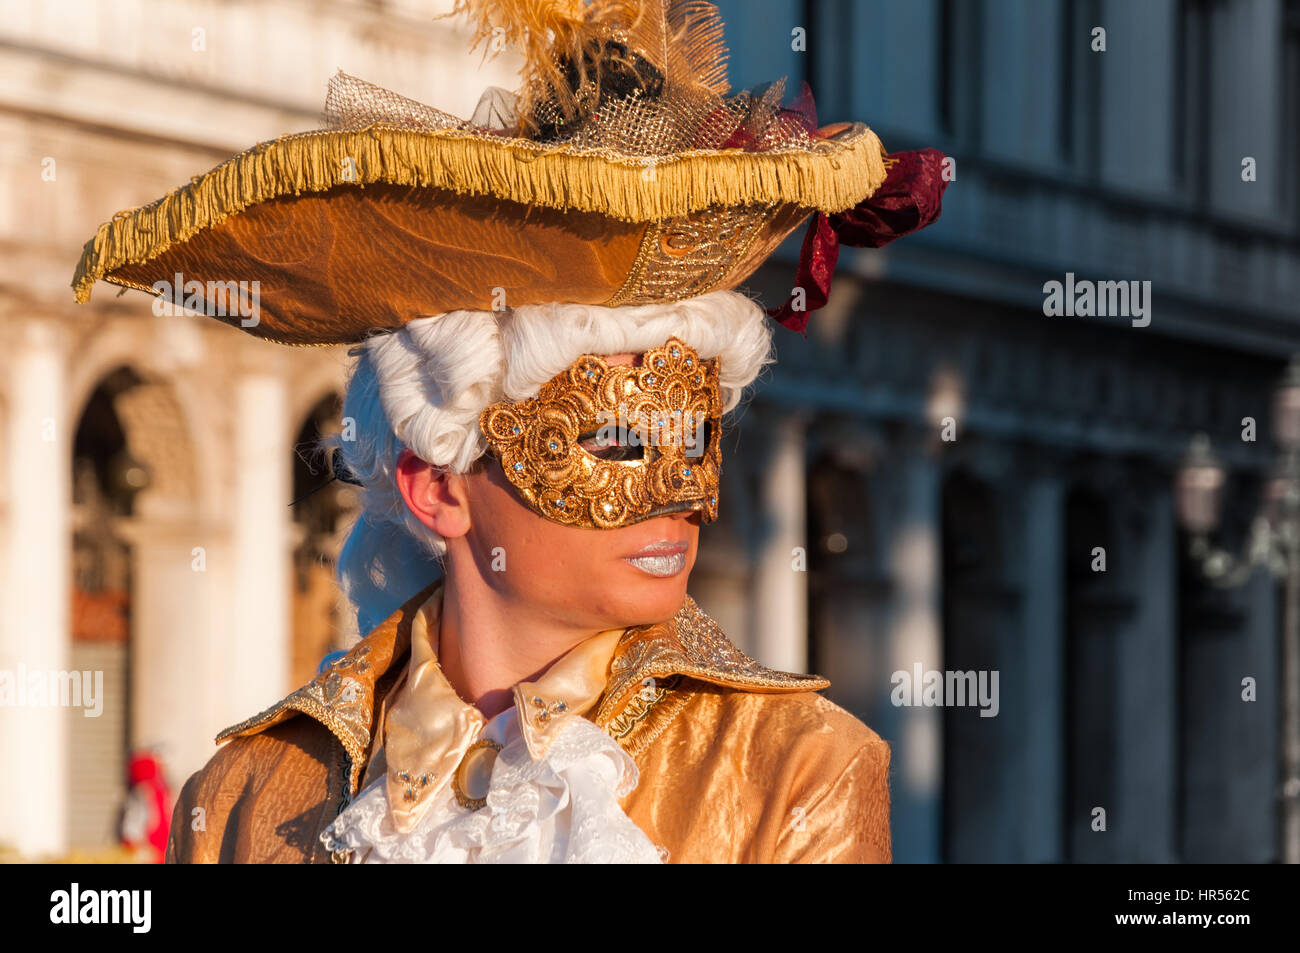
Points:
(603, 446)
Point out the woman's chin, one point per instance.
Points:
(646, 598)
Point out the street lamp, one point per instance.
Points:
(1198, 492)
(1274, 543)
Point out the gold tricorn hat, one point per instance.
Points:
(622, 172)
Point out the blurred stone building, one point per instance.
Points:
(1118, 689)
(149, 464)
(145, 525)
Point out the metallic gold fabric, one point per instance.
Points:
(738, 777)
(316, 256)
(664, 404)
(738, 763)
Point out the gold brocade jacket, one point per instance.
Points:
(738, 763)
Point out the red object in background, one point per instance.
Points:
(100, 616)
(146, 818)
(909, 199)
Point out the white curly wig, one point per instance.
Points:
(423, 387)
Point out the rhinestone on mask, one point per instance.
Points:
(540, 441)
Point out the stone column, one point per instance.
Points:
(1036, 780)
(781, 576)
(36, 625)
(258, 645)
(171, 674)
(1228, 750)
(914, 634)
(1144, 817)
(1250, 769)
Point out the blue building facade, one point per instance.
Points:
(964, 454)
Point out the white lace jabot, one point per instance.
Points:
(554, 790)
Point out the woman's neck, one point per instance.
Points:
(488, 643)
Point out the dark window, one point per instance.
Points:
(1079, 93)
(959, 86)
(1290, 164)
(978, 609)
(1094, 610)
(830, 56)
(1194, 63)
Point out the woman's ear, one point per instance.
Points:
(436, 497)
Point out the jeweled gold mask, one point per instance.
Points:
(603, 446)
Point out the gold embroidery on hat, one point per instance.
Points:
(691, 255)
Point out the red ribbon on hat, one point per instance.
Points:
(908, 200)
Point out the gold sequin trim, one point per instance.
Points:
(829, 175)
(638, 708)
(335, 698)
(691, 255)
(691, 644)
(656, 721)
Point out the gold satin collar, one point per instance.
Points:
(429, 727)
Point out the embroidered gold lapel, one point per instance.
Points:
(647, 681)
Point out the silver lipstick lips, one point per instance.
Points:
(662, 559)
(669, 565)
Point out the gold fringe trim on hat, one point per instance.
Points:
(834, 175)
